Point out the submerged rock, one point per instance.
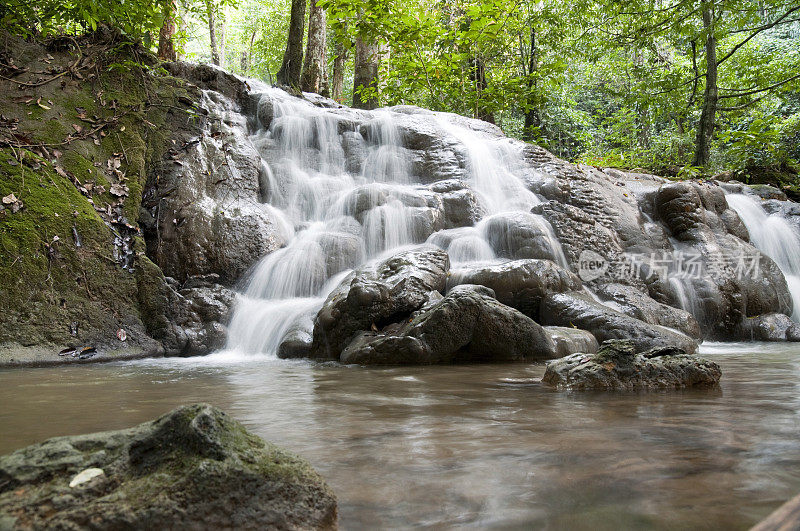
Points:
(466, 326)
(195, 467)
(618, 366)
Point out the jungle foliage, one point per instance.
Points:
(676, 87)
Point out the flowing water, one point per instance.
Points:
(475, 446)
(775, 237)
(345, 198)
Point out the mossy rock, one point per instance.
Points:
(195, 467)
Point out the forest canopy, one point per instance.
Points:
(675, 87)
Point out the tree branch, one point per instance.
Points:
(756, 32)
(756, 91)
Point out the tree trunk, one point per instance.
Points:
(315, 72)
(478, 78)
(365, 75)
(246, 54)
(533, 117)
(339, 60)
(705, 128)
(221, 38)
(291, 68)
(212, 30)
(166, 44)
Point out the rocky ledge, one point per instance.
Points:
(195, 467)
(617, 365)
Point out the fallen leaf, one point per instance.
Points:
(119, 190)
(13, 203)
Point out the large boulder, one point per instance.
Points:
(618, 366)
(190, 318)
(581, 310)
(376, 295)
(193, 468)
(461, 205)
(737, 281)
(521, 284)
(466, 326)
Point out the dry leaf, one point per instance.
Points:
(119, 190)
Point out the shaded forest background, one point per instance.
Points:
(682, 88)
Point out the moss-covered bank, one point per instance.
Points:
(82, 124)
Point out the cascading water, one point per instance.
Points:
(342, 184)
(775, 237)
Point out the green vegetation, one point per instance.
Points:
(676, 87)
(75, 156)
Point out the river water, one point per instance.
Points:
(480, 446)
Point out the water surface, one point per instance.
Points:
(480, 446)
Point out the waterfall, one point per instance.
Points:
(773, 236)
(347, 189)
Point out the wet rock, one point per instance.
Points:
(638, 305)
(266, 111)
(572, 340)
(680, 207)
(582, 311)
(196, 318)
(466, 326)
(461, 205)
(210, 77)
(377, 294)
(765, 191)
(205, 199)
(521, 284)
(617, 365)
(342, 251)
(578, 232)
(520, 235)
(193, 468)
(296, 343)
(770, 327)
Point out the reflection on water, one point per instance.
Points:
(478, 446)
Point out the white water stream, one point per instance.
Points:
(775, 237)
(339, 210)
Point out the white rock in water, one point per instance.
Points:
(86, 475)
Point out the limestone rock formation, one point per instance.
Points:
(467, 326)
(521, 284)
(376, 295)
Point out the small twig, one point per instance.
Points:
(125, 155)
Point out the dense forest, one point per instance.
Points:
(675, 87)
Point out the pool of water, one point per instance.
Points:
(479, 446)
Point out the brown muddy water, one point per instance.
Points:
(477, 446)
